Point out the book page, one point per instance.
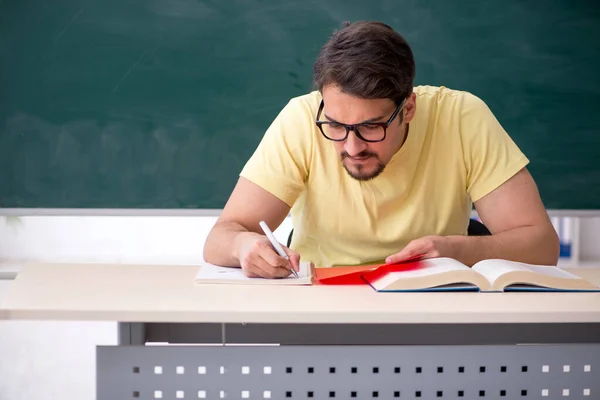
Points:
(550, 271)
(431, 266)
(453, 275)
(210, 273)
(493, 269)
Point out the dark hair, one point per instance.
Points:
(368, 60)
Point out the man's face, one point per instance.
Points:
(365, 160)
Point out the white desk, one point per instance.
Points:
(329, 327)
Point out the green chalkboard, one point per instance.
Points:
(158, 103)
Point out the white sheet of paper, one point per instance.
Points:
(493, 269)
(210, 273)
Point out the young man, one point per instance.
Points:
(374, 169)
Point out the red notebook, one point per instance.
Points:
(353, 275)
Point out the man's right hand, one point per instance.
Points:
(258, 258)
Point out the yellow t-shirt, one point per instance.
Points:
(456, 152)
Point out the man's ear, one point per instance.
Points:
(410, 107)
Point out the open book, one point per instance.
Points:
(210, 273)
(486, 276)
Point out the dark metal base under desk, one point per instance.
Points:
(324, 361)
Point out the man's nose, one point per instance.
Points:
(354, 145)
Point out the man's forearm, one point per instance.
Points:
(222, 243)
(528, 244)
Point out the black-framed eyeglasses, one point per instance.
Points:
(367, 131)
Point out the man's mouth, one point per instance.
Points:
(362, 158)
(358, 157)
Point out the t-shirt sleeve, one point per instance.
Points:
(280, 163)
(491, 156)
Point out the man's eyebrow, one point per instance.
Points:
(367, 121)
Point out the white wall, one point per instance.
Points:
(148, 239)
(50, 360)
(113, 239)
(56, 360)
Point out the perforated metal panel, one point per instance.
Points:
(343, 372)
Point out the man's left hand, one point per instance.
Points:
(425, 247)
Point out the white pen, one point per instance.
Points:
(275, 244)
